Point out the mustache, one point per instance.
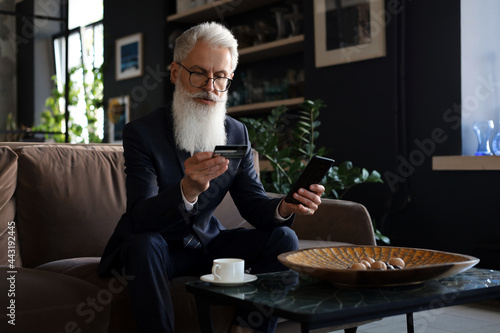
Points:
(206, 95)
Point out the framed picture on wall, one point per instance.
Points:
(118, 116)
(348, 30)
(129, 57)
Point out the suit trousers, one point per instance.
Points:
(152, 262)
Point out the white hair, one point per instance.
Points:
(215, 34)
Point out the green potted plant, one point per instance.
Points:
(288, 142)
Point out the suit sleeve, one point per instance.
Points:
(250, 197)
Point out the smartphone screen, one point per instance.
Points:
(315, 171)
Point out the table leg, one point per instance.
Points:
(204, 315)
(409, 322)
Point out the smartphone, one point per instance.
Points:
(230, 151)
(315, 171)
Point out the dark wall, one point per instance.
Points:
(449, 210)
(359, 122)
(432, 86)
(394, 113)
(126, 17)
(391, 114)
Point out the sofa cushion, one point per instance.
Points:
(50, 302)
(9, 255)
(122, 320)
(69, 200)
(228, 214)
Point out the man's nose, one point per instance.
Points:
(210, 85)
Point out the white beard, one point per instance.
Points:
(198, 127)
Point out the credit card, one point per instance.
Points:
(230, 151)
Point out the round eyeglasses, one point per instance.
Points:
(199, 80)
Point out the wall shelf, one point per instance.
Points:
(277, 48)
(465, 163)
(217, 10)
(254, 108)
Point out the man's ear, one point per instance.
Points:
(174, 71)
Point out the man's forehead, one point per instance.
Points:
(202, 69)
(207, 58)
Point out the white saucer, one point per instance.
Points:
(246, 278)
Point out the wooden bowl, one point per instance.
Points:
(333, 264)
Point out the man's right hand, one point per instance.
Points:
(200, 169)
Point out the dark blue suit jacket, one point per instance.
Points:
(154, 168)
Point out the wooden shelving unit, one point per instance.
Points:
(217, 10)
(272, 49)
(254, 108)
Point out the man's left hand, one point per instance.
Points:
(309, 201)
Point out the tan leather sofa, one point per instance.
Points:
(59, 204)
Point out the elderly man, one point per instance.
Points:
(174, 183)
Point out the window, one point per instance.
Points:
(480, 68)
(85, 58)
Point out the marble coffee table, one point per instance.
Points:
(316, 304)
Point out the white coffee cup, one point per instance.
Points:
(228, 270)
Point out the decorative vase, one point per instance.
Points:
(280, 21)
(495, 142)
(483, 130)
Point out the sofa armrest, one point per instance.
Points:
(336, 220)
